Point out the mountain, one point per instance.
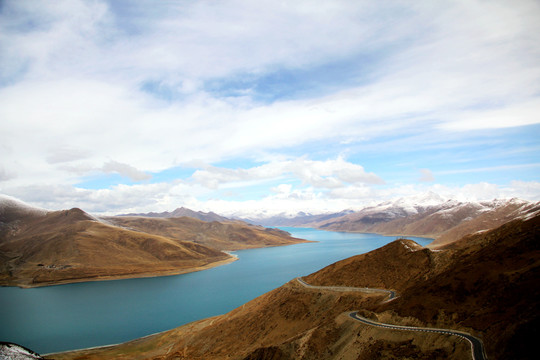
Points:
(40, 247)
(12, 212)
(300, 219)
(485, 284)
(405, 206)
(71, 246)
(427, 215)
(182, 211)
(230, 235)
(16, 352)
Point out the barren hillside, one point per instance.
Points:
(231, 235)
(39, 247)
(486, 284)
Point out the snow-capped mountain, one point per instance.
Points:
(12, 207)
(285, 219)
(428, 215)
(182, 211)
(446, 221)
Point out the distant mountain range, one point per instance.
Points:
(425, 216)
(300, 219)
(182, 211)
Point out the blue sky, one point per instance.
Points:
(244, 107)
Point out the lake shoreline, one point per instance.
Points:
(150, 274)
(102, 313)
(232, 257)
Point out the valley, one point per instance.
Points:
(269, 180)
(484, 285)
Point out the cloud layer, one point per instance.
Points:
(295, 94)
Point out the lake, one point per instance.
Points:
(75, 316)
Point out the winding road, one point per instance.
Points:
(477, 348)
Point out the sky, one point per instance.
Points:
(244, 107)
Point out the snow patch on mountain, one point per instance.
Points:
(9, 203)
(16, 352)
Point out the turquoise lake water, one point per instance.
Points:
(75, 316)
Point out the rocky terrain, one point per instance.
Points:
(39, 247)
(485, 284)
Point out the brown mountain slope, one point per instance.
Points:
(291, 322)
(493, 285)
(486, 284)
(70, 246)
(233, 235)
(383, 268)
(13, 213)
(39, 247)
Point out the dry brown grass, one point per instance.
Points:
(70, 246)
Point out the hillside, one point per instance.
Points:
(485, 284)
(230, 235)
(39, 247)
(70, 246)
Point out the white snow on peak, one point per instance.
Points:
(8, 202)
(530, 215)
(512, 201)
(406, 246)
(411, 204)
(16, 352)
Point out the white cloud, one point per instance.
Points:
(76, 89)
(168, 196)
(282, 189)
(125, 170)
(364, 193)
(327, 174)
(520, 114)
(427, 176)
(492, 168)
(4, 175)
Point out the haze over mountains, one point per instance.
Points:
(182, 211)
(40, 247)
